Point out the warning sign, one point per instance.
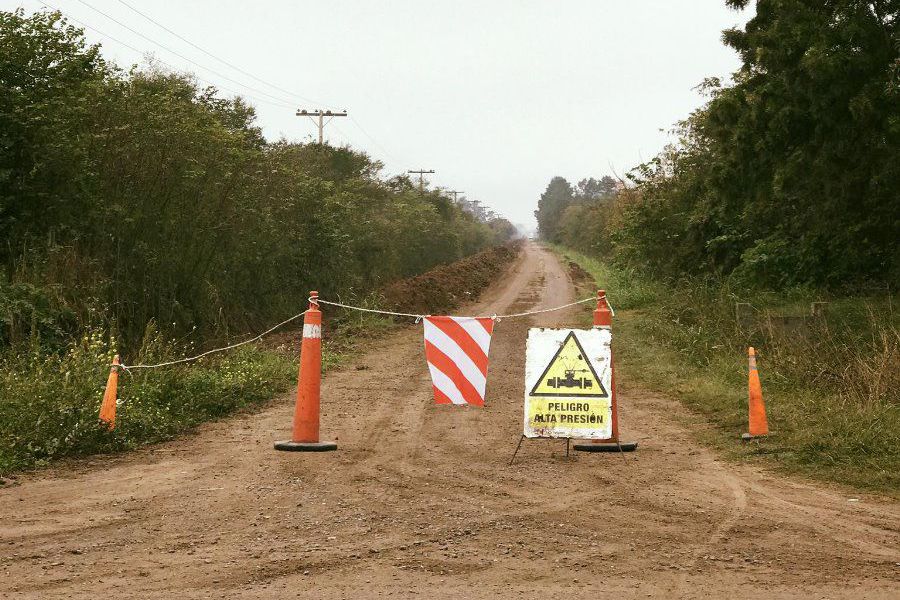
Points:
(569, 373)
(567, 383)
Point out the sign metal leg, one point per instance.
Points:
(519, 445)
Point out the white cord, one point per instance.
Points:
(496, 317)
(127, 368)
(546, 310)
(609, 306)
(184, 360)
(368, 310)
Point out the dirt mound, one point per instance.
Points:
(447, 286)
(578, 275)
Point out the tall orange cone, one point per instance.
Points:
(305, 435)
(603, 318)
(759, 426)
(108, 406)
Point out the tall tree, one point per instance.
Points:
(49, 84)
(792, 174)
(552, 204)
(595, 189)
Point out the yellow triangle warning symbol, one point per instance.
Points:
(569, 373)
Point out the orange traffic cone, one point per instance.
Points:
(108, 407)
(305, 435)
(603, 318)
(759, 426)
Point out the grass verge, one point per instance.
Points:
(830, 382)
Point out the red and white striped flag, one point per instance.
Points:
(456, 349)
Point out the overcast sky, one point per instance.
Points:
(497, 96)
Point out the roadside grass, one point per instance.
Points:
(50, 395)
(50, 401)
(830, 383)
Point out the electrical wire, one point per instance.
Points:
(221, 60)
(170, 66)
(374, 141)
(274, 100)
(183, 57)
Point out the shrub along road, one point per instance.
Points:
(419, 499)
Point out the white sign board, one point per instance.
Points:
(568, 384)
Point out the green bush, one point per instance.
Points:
(148, 198)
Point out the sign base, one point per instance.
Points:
(606, 447)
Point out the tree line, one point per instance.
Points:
(129, 198)
(789, 175)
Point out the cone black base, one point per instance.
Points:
(606, 447)
(289, 446)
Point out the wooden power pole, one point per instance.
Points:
(318, 117)
(455, 194)
(421, 173)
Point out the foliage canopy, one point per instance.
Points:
(140, 197)
(791, 175)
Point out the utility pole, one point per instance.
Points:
(320, 115)
(477, 209)
(455, 194)
(421, 173)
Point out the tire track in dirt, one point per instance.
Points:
(420, 500)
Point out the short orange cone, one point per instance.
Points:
(759, 426)
(305, 435)
(108, 407)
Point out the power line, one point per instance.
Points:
(347, 139)
(142, 53)
(276, 100)
(251, 75)
(374, 141)
(181, 56)
(211, 55)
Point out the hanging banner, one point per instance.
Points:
(567, 384)
(456, 349)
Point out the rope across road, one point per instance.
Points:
(213, 351)
(422, 316)
(315, 301)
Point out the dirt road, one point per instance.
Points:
(419, 501)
